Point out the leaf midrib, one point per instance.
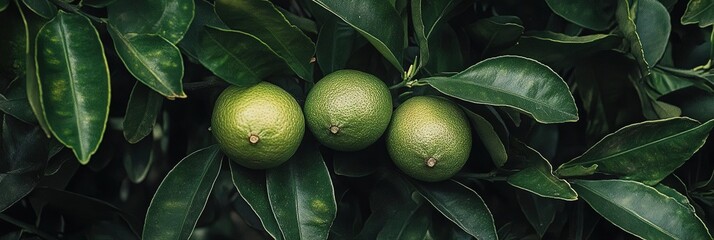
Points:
(141, 60)
(218, 43)
(195, 193)
(65, 49)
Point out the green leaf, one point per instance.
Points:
(699, 12)
(445, 52)
(670, 192)
(251, 185)
(182, 195)
(461, 205)
(496, 33)
(32, 84)
(595, 15)
(98, 3)
(141, 112)
(512, 81)
(646, 28)
(41, 7)
(304, 24)
(427, 17)
(302, 196)
(24, 147)
(537, 175)
(152, 60)
(205, 16)
(335, 42)
(357, 164)
(411, 221)
(4, 4)
(629, 205)
(13, 39)
(489, 137)
(169, 19)
(237, 57)
(383, 28)
(138, 158)
(16, 103)
(16, 187)
(540, 212)
(74, 82)
(557, 49)
(646, 151)
(261, 19)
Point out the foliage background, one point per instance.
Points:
(588, 116)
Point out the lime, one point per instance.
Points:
(348, 110)
(258, 127)
(429, 138)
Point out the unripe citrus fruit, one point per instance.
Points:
(429, 138)
(348, 110)
(258, 127)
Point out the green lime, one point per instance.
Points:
(258, 127)
(348, 110)
(429, 138)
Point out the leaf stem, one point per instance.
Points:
(26, 227)
(74, 9)
(489, 176)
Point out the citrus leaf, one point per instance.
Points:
(152, 60)
(410, 221)
(13, 39)
(595, 15)
(4, 4)
(537, 176)
(24, 148)
(205, 16)
(74, 82)
(496, 33)
(169, 19)
(629, 205)
(461, 205)
(335, 42)
(182, 196)
(261, 19)
(138, 158)
(699, 12)
(512, 81)
(670, 192)
(383, 28)
(647, 151)
(237, 57)
(646, 28)
(98, 3)
(251, 186)
(141, 112)
(489, 137)
(42, 8)
(427, 17)
(557, 49)
(17, 106)
(540, 212)
(16, 187)
(302, 196)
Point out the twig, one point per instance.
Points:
(75, 9)
(27, 227)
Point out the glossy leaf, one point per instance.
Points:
(512, 81)
(646, 151)
(15, 187)
(595, 15)
(237, 57)
(557, 49)
(141, 112)
(41, 7)
(152, 60)
(24, 147)
(335, 42)
(445, 54)
(384, 28)
(699, 12)
(4, 4)
(411, 221)
(15, 101)
(251, 185)
(301, 195)
(205, 16)
(461, 205)
(537, 175)
(97, 3)
(646, 28)
(540, 212)
(489, 137)
(169, 19)
(182, 195)
(138, 158)
(496, 33)
(629, 205)
(427, 17)
(262, 19)
(74, 82)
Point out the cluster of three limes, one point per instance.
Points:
(262, 126)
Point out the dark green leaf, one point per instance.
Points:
(461, 205)
(558, 49)
(489, 137)
(141, 112)
(383, 28)
(24, 147)
(411, 221)
(496, 33)
(251, 185)
(32, 85)
(670, 192)
(304, 24)
(646, 27)
(427, 17)
(261, 19)
(138, 158)
(98, 3)
(182, 195)
(540, 212)
(445, 51)
(629, 205)
(4, 4)
(237, 57)
(646, 151)
(512, 81)
(205, 16)
(699, 12)
(537, 176)
(301, 195)
(15, 103)
(388, 195)
(74, 80)
(595, 15)
(169, 19)
(13, 40)
(15, 187)
(41, 7)
(152, 60)
(109, 230)
(335, 43)
(357, 164)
